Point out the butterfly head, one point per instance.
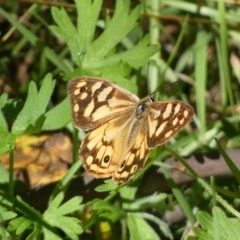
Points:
(143, 105)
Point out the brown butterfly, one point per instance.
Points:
(121, 128)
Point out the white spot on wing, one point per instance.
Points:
(177, 109)
(76, 107)
(181, 121)
(101, 154)
(130, 159)
(125, 174)
(142, 152)
(81, 84)
(89, 109)
(105, 110)
(103, 95)
(175, 121)
(83, 95)
(77, 91)
(185, 113)
(168, 134)
(89, 160)
(152, 127)
(167, 111)
(96, 86)
(160, 129)
(93, 143)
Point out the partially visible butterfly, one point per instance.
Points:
(121, 128)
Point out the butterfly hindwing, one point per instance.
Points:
(134, 159)
(103, 148)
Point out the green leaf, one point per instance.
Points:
(68, 207)
(28, 214)
(122, 22)
(33, 235)
(5, 214)
(3, 122)
(139, 228)
(154, 200)
(31, 117)
(231, 131)
(217, 227)
(161, 224)
(3, 100)
(138, 55)
(180, 197)
(19, 225)
(229, 162)
(7, 142)
(80, 39)
(58, 117)
(94, 56)
(4, 234)
(55, 203)
(54, 216)
(108, 186)
(106, 211)
(50, 235)
(69, 225)
(201, 77)
(128, 194)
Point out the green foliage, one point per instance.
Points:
(218, 226)
(93, 56)
(54, 216)
(139, 228)
(5, 215)
(33, 117)
(106, 211)
(108, 186)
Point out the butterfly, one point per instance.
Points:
(122, 129)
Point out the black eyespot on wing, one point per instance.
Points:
(82, 89)
(180, 116)
(106, 159)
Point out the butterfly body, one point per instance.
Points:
(121, 128)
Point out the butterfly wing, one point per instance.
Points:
(135, 157)
(95, 101)
(165, 119)
(116, 149)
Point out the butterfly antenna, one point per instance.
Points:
(170, 84)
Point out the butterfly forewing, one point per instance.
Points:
(95, 101)
(122, 128)
(165, 119)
